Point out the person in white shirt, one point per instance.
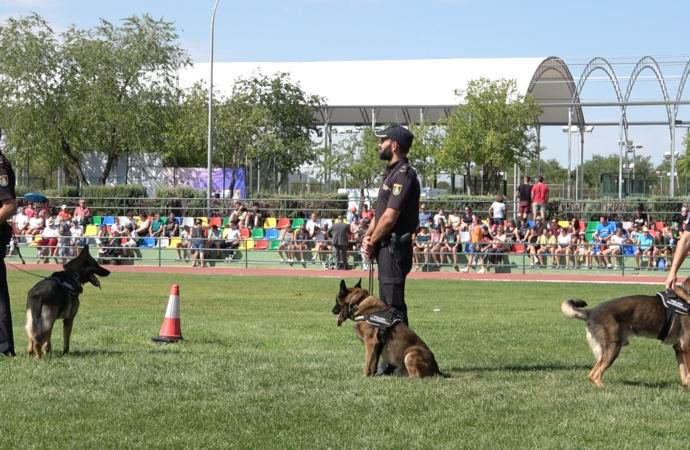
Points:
(232, 240)
(128, 220)
(497, 210)
(454, 219)
(36, 224)
(116, 227)
(48, 242)
(312, 223)
(184, 244)
(319, 243)
(614, 248)
(77, 232)
(564, 247)
(21, 222)
(440, 214)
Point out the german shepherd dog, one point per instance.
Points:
(402, 349)
(57, 297)
(611, 324)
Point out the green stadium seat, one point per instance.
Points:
(257, 233)
(296, 223)
(97, 220)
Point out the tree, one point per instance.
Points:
(593, 168)
(290, 120)
(108, 88)
(492, 129)
(428, 139)
(359, 160)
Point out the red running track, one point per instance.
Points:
(570, 277)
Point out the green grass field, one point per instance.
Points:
(264, 366)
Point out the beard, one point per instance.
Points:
(386, 153)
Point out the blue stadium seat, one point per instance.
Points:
(148, 242)
(272, 233)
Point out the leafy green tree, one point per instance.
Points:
(108, 88)
(493, 128)
(597, 165)
(359, 160)
(428, 140)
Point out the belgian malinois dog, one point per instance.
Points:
(57, 297)
(611, 324)
(401, 348)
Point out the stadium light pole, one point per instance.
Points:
(209, 180)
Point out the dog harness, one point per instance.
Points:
(674, 305)
(67, 282)
(383, 320)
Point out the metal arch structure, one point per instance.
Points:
(683, 79)
(557, 65)
(648, 62)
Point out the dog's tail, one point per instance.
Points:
(571, 309)
(33, 321)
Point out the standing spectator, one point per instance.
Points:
(156, 227)
(232, 240)
(605, 229)
(367, 213)
(82, 213)
(497, 210)
(424, 216)
(540, 197)
(185, 244)
(198, 244)
(524, 193)
(66, 216)
(21, 222)
(312, 224)
(171, 228)
(339, 232)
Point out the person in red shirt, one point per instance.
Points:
(540, 197)
(367, 213)
(82, 213)
(29, 210)
(66, 216)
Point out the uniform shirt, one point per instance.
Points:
(7, 179)
(400, 190)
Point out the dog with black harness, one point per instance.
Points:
(57, 297)
(610, 325)
(384, 334)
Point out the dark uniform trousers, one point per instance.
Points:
(392, 276)
(6, 336)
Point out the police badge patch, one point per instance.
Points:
(397, 189)
(4, 180)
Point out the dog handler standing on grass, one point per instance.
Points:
(388, 237)
(679, 255)
(8, 199)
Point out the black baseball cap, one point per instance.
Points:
(398, 134)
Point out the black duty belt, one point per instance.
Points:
(383, 320)
(674, 305)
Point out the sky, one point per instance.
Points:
(351, 30)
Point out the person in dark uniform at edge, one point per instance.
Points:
(397, 214)
(682, 249)
(8, 199)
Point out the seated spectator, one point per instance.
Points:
(171, 228)
(213, 241)
(36, 224)
(596, 246)
(303, 242)
(355, 226)
(440, 215)
(640, 218)
(233, 238)
(614, 249)
(43, 206)
(198, 244)
(240, 213)
(539, 225)
(102, 237)
(286, 245)
(645, 248)
(454, 219)
(493, 253)
(254, 218)
(497, 210)
(47, 245)
(82, 213)
(29, 210)
(66, 216)
(130, 240)
(581, 250)
(547, 246)
(156, 227)
(144, 226)
(116, 227)
(21, 222)
(564, 247)
(451, 245)
(185, 244)
(605, 229)
(424, 216)
(554, 227)
(64, 241)
(421, 245)
(668, 236)
(532, 242)
(320, 245)
(523, 230)
(512, 231)
(466, 219)
(312, 224)
(574, 229)
(352, 214)
(437, 244)
(129, 220)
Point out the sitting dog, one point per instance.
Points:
(612, 323)
(384, 334)
(57, 297)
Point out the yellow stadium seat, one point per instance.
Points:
(91, 230)
(174, 241)
(246, 244)
(270, 222)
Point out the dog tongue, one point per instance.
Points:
(340, 318)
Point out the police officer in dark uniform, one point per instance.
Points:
(388, 237)
(8, 209)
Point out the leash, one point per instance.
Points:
(16, 247)
(371, 277)
(22, 270)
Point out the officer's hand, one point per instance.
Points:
(367, 247)
(671, 281)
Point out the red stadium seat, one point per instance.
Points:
(283, 223)
(261, 244)
(245, 233)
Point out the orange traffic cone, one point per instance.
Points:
(171, 330)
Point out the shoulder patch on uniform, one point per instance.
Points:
(403, 169)
(397, 189)
(4, 180)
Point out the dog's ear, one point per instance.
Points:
(343, 287)
(359, 284)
